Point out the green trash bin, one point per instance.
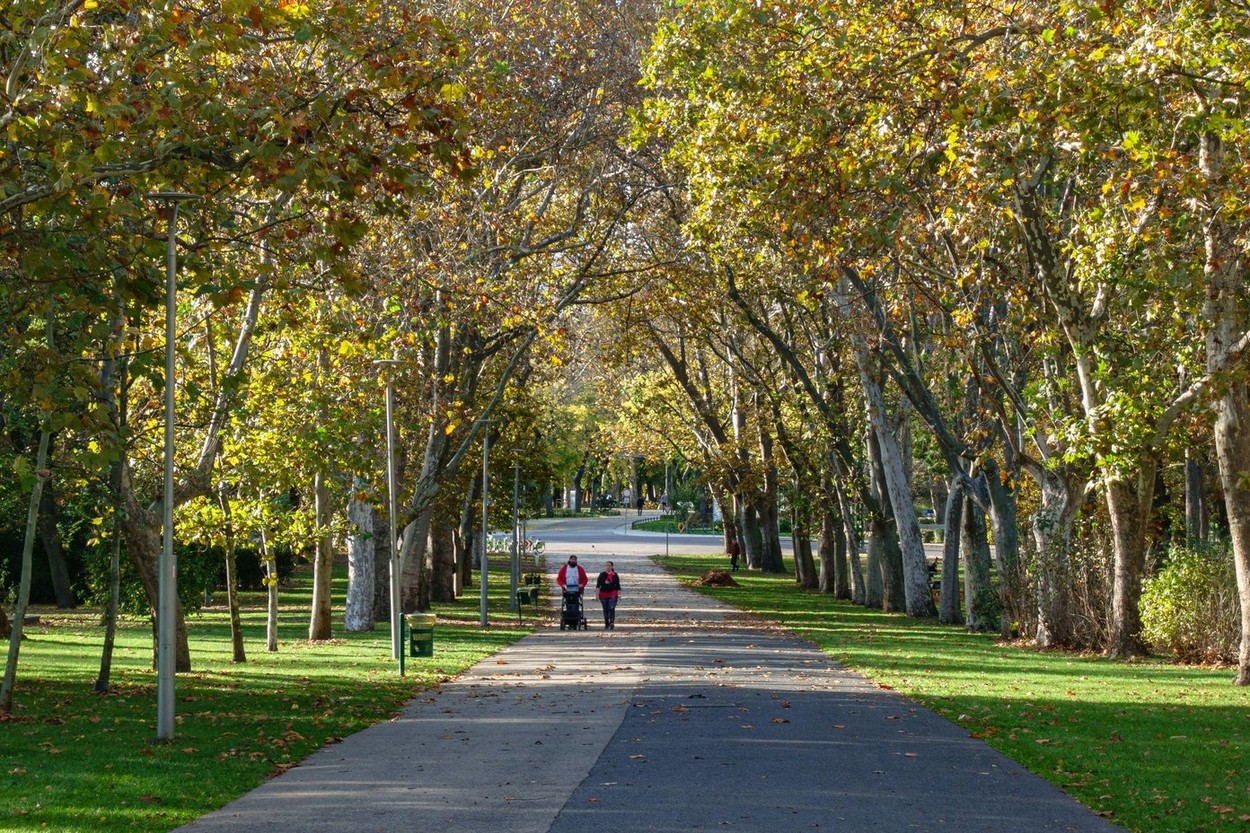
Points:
(420, 634)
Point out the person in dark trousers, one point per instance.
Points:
(640, 504)
(609, 586)
(734, 551)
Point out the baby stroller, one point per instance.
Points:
(572, 615)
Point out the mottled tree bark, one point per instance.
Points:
(319, 620)
(358, 612)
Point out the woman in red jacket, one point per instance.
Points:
(609, 586)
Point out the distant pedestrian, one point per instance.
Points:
(664, 503)
(609, 586)
(640, 504)
(734, 551)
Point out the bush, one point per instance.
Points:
(1190, 608)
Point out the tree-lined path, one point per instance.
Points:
(688, 716)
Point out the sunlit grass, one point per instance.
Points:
(1154, 746)
(72, 760)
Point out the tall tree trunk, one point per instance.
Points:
(50, 534)
(828, 571)
(890, 563)
(949, 612)
(1128, 529)
(915, 570)
(115, 580)
(771, 558)
(981, 602)
(855, 573)
(1195, 500)
(381, 568)
(1052, 524)
(238, 653)
(752, 535)
(358, 613)
(415, 580)
(801, 542)
(443, 554)
(142, 526)
(23, 588)
(1003, 517)
(319, 622)
(1224, 272)
(874, 585)
(834, 575)
(271, 586)
(115, 400)
(465, 554)
(1232, 443)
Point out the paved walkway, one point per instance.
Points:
(686, 717)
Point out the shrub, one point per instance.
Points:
(1190, 608)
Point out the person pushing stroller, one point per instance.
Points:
(572, 579)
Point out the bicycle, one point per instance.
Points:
(500, 543)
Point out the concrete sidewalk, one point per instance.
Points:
(687, 716)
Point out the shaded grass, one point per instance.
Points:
(1154, 746)
(72, 760)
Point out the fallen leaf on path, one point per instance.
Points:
(780, 720)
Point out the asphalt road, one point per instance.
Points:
(687, 717)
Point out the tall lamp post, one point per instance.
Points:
(167, 572)
(392, 506)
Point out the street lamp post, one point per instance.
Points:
(167, 573)
(392, 507)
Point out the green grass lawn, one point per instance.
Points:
(1153, 746)
(72, 760)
